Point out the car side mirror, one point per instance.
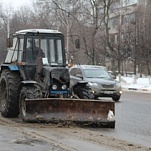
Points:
(79, 76)
(113, 76)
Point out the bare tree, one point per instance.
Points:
(115, 47)
(4, 21)
(144, 35)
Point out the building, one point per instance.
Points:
(122, 13)
(123, 30)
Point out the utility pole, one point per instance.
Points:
(8, 28)
(67, 47)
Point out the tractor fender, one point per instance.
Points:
(82, 84)
(10, 67)
(29, 83)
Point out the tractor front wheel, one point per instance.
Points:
(27, 92)
(83, 93)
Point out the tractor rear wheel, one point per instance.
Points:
(9, 83)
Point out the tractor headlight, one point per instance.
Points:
(54, 87)
(64, 87)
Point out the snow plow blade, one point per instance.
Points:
(98, 113)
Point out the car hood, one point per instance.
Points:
(100, 80)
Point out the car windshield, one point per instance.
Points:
(96, 73)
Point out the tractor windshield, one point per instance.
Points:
(50, 48)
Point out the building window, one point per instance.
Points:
(112, 38)
(128, 18)
(117, 38)
(128, 2)
(113, 22)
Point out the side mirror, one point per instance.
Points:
(79, 76)
(77, 43)
(9, 42)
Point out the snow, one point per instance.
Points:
(142, 84)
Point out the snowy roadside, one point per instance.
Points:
(142, 84)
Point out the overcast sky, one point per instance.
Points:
(15, 3)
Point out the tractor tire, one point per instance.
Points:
(27, 92)
(83, 93)
(9, 83)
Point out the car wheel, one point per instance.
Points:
(116, 98)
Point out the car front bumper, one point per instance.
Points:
(106, 93)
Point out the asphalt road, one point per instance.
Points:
(132, 131)
(133, 118)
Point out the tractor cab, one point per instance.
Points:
(31, 49)
(29, 44)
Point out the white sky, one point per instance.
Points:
(15, 4)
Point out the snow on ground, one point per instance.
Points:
(142, 84)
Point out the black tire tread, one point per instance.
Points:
(12, 82)
(116, 98)
(87, 94)
(84, 93)
(29, 92)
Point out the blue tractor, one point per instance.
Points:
(35, 82)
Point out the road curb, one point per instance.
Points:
(143, 90)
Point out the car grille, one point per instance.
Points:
(107, 85)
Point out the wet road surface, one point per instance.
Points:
(133, 118)
(131, 133)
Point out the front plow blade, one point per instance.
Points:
(79, 111)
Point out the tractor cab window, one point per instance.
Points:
(59, 51)
(12, 54)
(51, 48)
(20, 53)
(54, 51)
(16, 51)
(33, 50)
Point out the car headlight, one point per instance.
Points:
(64, 87)
(93, 84)
(54, 87)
